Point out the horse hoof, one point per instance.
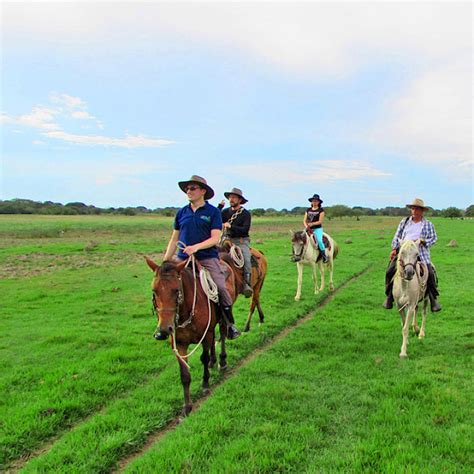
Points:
(222, 368)
(297, 298)
(187, 410)
(206, 390)
(246, 329)
(403, 356)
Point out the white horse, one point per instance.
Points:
(409, 289)
(306, 251)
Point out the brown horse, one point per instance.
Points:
(187, 315)
(259, 271)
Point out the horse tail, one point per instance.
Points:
(336, 249)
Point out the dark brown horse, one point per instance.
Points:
(259, 271)
(176, 291)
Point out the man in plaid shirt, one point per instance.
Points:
(415, 227)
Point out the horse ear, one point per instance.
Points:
(152, 264)
(181, 265)
(417, 242)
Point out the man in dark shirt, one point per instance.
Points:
(198, 225)
(237, 222)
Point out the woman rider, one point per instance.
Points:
(313, 221)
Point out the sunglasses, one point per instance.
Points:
(191, 188)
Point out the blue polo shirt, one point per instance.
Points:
(196, 226)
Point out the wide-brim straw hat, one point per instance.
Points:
(195, 179)
(237, 192)
(417, 202)
(315, 196)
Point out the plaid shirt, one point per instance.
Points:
(428, 237)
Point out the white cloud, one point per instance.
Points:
(130, 141)
(67, 101)
(82, 114)
(286, 173)
(431, 119)
(40, 117)
(46, 118)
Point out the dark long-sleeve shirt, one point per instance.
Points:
(241, 225)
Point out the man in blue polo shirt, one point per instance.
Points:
(198, 225)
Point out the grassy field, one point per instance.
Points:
(84, 385)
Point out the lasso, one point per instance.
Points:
(210, 289)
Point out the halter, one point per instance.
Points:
(300, 255)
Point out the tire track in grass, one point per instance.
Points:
(154, 438)
(18, 464)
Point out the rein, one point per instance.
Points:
(210, 289)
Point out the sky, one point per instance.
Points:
(112, 103)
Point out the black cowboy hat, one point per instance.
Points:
(315, 196)
(237, 192)
(195, 179)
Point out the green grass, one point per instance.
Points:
(81, 371)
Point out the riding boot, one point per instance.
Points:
(435, 306)
(388, 303)
(324, 256)
(232, 331)
(432, 290)
(247, 289)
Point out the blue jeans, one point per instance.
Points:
(319, 236)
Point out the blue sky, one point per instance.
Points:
(113, 103)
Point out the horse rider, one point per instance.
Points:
(414, 227)
(198, 226)
(237, 222)
(313, 222)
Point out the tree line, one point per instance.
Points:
(27, 206)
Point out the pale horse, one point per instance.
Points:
(306, 251)
(409, 289)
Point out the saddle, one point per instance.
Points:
(326, 242)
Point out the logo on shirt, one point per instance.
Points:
(206, 218)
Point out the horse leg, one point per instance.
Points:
(185, 379)
(331, 270)
(223, 353)
(299, 267)
(423, 320)
(255, 303)
(249, 317)
(314, 274)
(406, 326)
(416, 329)
(321, 270)
(213, 359)
(205, 358)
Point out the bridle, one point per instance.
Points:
(299, 255)
(403, 267)
(179, 301)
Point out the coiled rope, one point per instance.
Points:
(210, 289)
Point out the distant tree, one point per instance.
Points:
(451, 212)
(339, 210)
(299, 210)
(470, 211)
(258, 212)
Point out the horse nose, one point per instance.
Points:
(409, 274)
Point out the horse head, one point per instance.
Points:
(408, 258)
(298, 242)
(167, 291)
